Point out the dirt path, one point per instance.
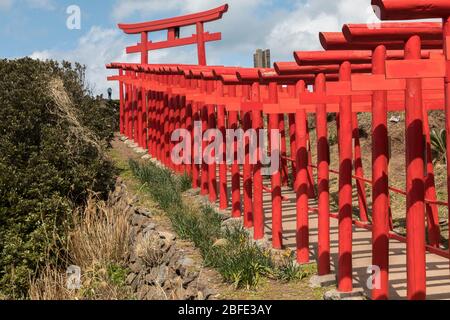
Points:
(267, 290)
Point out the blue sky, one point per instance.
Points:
(37, 28)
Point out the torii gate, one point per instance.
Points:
(173, 26)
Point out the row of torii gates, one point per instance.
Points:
(402, 67)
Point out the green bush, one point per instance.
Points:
(52, 138)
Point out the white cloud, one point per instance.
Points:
(299, 29)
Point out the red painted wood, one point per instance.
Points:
(345, 187)
(411, 9)
(415, 214)
(277, 226)
(302, 231)
(415, 69)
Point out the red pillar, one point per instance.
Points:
(247, 168)
(302, 184)
(223, 172)
(171, 106)
(434, 232)
(196, 141)
(380, 193)
(166, 127)
(415, 215)
(359, 171)
(201, 44)
(152, 124)
(277, 223)
(446, 25)
(160, 148)
(212, 167)
(284, 166)
(258, 208)
(122, 105)
(345, 186)
(323, 162)
(235, 170)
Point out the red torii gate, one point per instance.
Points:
(175, 95)
(173, 26)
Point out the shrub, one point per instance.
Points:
(52, 138)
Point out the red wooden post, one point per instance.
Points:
(152, 124)
(292, 147)
(258, 208)
(247, 168)
(434, 231)
(284, 165)
(201, 44)
(345, 186)
(122, 104)
(323, 161)
(144, 118)
(380, 193)
(135, 111)
(212, 167)
(311, 189)
(171, 127)
(166, 126)
(129, 107)
(302, 233)
(277, 227)
(196, 141)
(235, 170)
(446, 34)
(359, 172)
(190, 129)
(223, 171)
(204, 186)
(415, 214)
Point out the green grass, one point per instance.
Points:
(239, 261)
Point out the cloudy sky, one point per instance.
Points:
(38, 28)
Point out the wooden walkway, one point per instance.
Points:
(438, 270)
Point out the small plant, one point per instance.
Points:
(289, 270)
(185, 182)
(117, 274)
(149, 249)
(439, 144)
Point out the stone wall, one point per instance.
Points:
(160, 269)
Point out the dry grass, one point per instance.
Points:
(65, 111)
(98, 244)
(101, 235)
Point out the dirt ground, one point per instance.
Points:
(267, 290)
